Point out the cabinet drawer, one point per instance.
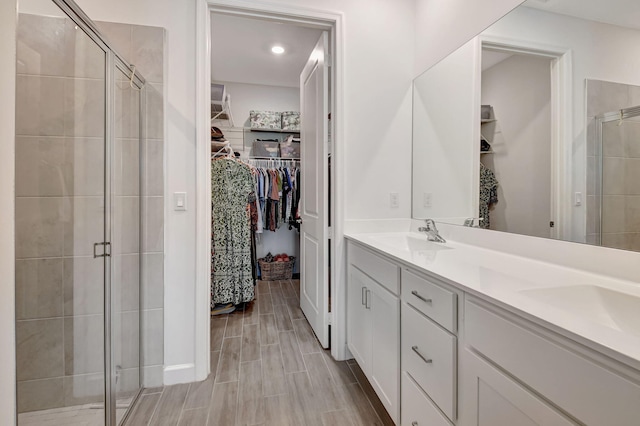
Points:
(583, 384)
(417, 408)
(378, 268)
(436, 302)
(429, 356)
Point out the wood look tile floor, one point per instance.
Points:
(267, 369)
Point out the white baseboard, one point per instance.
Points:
(179, 373)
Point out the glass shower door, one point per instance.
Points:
(125, 238)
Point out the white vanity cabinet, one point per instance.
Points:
(373, 323)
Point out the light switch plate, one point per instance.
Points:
(180, 201)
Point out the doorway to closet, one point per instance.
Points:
(270, 110)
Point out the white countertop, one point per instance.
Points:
(596, 310)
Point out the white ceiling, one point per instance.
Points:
(625, 13)
(241, 50)
(493, 57)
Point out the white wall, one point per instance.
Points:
(8, 15)
(247, 97)
(519, 89)
(444, 25)
(378, 63)
(599, 51)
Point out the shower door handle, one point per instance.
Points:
(106, 252)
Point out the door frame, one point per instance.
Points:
(561, 122)
(332, 22)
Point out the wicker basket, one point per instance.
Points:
(272, 271)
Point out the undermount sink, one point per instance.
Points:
(409, 242)
(611, 308)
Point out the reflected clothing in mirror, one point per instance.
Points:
(488, 194)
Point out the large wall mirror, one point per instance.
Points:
(533, 127)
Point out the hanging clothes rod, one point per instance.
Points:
(272, 162)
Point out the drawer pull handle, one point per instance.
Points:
(364, 295)
(368, 305)
(415, 349)
(416, 294)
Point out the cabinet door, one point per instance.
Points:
(493, 399)
(385, 349)
(359, 317)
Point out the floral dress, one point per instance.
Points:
(231, 270)
(488, 194)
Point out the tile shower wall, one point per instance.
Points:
(59, 169)
(620, 167)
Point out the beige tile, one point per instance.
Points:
(195, 417)
(128, 383)
(40, 394)
(158, 389)
(613, 176)
(217, 330)
(294, 309)
(83, 286)
(154, 167)
(277, 298)
(250, 397)
(251, 313)
(234, 324)
(154, 111)
(591, 175)
(283, 321)
(291, 356)
(280, 410)
(274, 382)
(39, 288)
(119, 35)
(152, 375)
(229, 360)
(84, 58)
(593, 214)
(170, 405)
(287, 290)
(306, 338)
(340, 370)
(83, 344)
(613, 213)
(361, 409)
(199, 394)
(265, 304)
(41, 45)
(224, 402)
(370, 396)
(613, 139)
(145, 408)
(338, 418)
(39, 230)
(84, 166)
(125, 282)
(306, 400)
(591, 137)
(126, 170)
(127, 122)
(127, 347)
(39, 106)
(39, 349)
(126, 230)
(603, 96)
(632, 214)
(83, 389)
(148, 51)
(40, 167)
(84, 103)
(268, 329)
(617, 241)
(328, 393)
(152, 337)
(632, 176)
(250, 343)
(85, 226)
(592, 239)
(631, 145)
(152, 280)
(153, 219)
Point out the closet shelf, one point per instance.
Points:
(487, 152)
(295, 132)
(488, 120)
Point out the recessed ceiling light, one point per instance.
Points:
(278, 50)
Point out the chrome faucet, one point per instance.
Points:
(471, 221)
(431, 231)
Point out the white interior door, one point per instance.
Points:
(314, 104)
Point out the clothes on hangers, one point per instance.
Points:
(232, 278)
(488, 194)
